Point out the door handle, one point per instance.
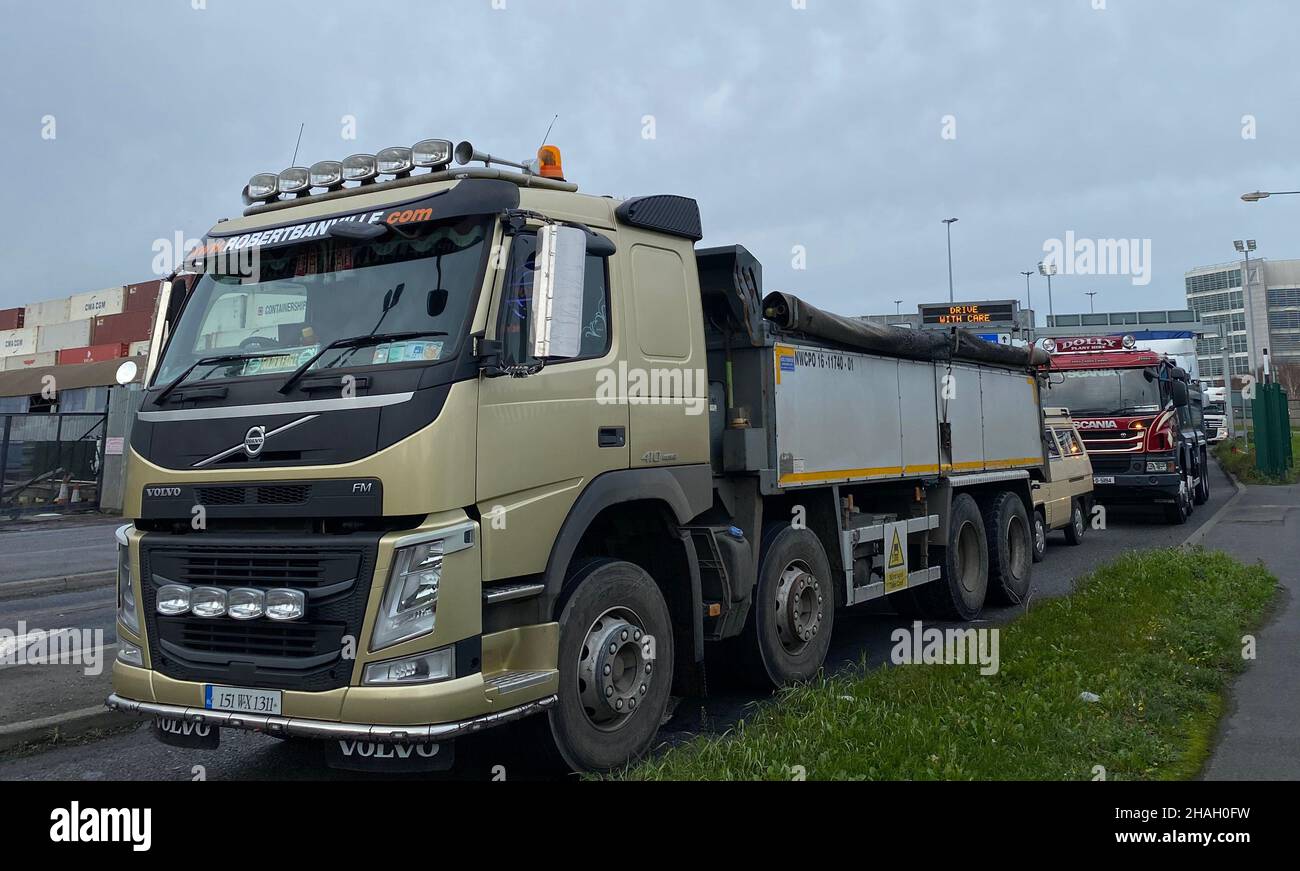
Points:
(611, 437)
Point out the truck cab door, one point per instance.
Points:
(543, 436)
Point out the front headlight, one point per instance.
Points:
(126, 612)
(411, 597)
(410, 604)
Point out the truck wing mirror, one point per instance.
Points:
(1178, 391)
(555, 310)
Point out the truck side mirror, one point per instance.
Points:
(555, 310)
(1178, 391)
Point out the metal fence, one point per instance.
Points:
(51, 462)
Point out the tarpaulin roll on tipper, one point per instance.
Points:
(789, 312)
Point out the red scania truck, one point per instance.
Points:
(1140, 425)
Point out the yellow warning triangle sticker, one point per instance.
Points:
(896, 558)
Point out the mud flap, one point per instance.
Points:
(186, 733)
(351, 754)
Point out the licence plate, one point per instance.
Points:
(1103, 479)
(244, 701)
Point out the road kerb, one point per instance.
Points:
(63, 584)
(1198, 535)
(66, 725)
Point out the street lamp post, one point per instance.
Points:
(948, 222)
(1029, 302)
(1048, 270)
(897, 303)
(1256, 196)
(1244, 248)
(1091, 294)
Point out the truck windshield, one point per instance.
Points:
(304, 296)
(1106, 391)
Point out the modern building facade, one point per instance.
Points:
(1268, 319)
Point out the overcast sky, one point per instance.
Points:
(848, 128)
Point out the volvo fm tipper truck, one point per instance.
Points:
(428, 447)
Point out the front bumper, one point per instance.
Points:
(1138, 489)
(297, 727)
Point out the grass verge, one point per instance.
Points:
(1155, 634)
(1241, 462)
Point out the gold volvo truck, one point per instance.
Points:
(428, 447)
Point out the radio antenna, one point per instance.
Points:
(294, 161)
(547, 135)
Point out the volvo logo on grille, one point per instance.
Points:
(162, 491)
(254, 441)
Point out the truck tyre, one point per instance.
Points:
(1011, 548)
(1178, 513)
(1203, 486)
(1078, 524)
(616, 666)
(1040, 536)
(789, 628)
(959, 593)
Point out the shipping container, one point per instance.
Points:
(14, 342)
(52, 311)
(273, 309)
(141, 297)
(57, 337)
(30, 361)
(11, 318)
(138, 349)
(92, 354)
(121, 329)
(95, 303)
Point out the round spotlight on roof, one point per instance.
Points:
(327, 174)
(359, 167)
(1128, 342)
(433, 153)
(1049, 345)
(295, 179)
(263, 186)
(394, 161)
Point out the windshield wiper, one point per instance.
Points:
(353, 342)
(217, 360)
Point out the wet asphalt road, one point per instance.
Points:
(136, 755)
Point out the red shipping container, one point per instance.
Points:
(92, 354)
(122, 329)
(12, 318)
(141, 297)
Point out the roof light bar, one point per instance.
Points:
(295, 179)
(262, 186)
(327, 174)
(359, 167)
(432, 153)
(394, 161)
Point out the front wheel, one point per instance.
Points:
(1178, 513)
(1203, 485)
(1040, 537)
(616, 667)
(1078, 524)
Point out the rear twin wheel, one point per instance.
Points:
(789, 628)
